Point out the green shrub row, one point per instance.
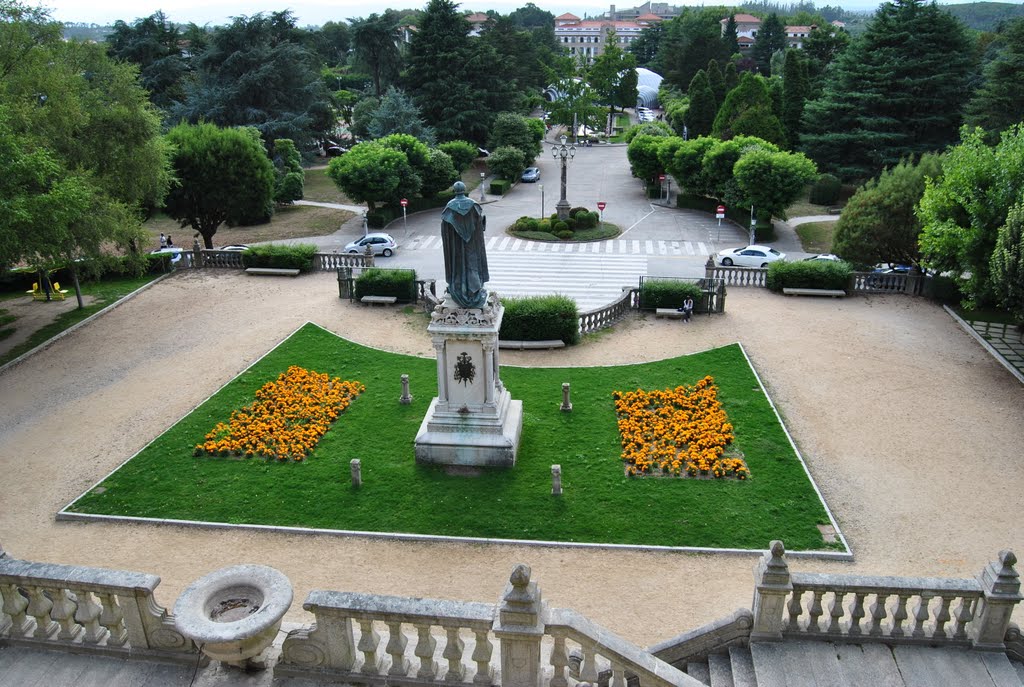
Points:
(668, 293)
(298, 256)
(499, 187)
(540, 318)
(378, 281)
(808, 274)
(100, 269)
(825, 190)
(579, 218)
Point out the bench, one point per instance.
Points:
(670, 313)
(835, 293)
(278, 271)
(383, 300)
(835, 211)
(530, 345)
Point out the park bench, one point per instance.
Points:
(530, 345)
(273, 271)
(374, 300)
(670, 313)
(835, 293)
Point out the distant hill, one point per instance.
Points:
(86, 32)
(985, 16)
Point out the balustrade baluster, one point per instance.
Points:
(921, 614)
(964, 615)
(39, 608)
(856, 613)
(482, 653)
(878, 614)
(64, 605)
(112, 618)
(369, 640)
(900, 615)
(794, 608)
(588, 669)
(559, 661)
(87, 615)
(454, 647)
(618, 675)
(943, 616)
(397, 643)
(425, 647)
(836, 611)
(14, 607)
(814, 612)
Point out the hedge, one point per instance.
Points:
(668, 293)
(540, 318)
(378, 281)
(499, 187)
(298, 256)
(107, 267)
(808, 274)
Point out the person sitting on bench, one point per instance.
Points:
(687, 309)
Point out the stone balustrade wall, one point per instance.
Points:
(607, 315)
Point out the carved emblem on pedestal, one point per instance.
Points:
(465, 370)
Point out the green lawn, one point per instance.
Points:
(600, 504)
(816, 237)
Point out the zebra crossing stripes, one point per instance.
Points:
(649, 247)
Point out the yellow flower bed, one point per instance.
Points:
(676, 431)
(287, 419)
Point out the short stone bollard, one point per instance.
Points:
(406, 398)
(566, 403)
(556, 480)
(356, 467)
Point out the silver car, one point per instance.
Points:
(379, 242)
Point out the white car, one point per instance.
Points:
(379, 242)
(749, 256)
(827, 257)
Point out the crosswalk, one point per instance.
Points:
(647, 247)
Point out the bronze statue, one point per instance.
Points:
(465, 258)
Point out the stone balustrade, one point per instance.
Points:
(230, 259)
(607, 315)
(86, 610)
(327, 262)
(736, 276)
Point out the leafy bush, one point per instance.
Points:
(571, 223)
(667, 293)
(526, 224)
(544, 225)
(540, 318)
(587, 220)
(825, 190)
(576, 210)
(462, 153)
(559, 225)
(299, 256)
(499, 187)
(808, 274)
(565, 235)
(105, 267)
(378, 281)
(507, 163)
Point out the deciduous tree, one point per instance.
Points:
(748, 111)
(375, 44)
(772, 181)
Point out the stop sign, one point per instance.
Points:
(601, 205)
(721, 210)
(404, 202)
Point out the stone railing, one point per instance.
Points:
(860, 282)
(607, 315)
(325, 262)
(736, 276)
(217, 258)
(711, 638)
(322, 262)
(894, 610)
(86, 610)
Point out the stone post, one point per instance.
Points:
(556, 480)
(771, 587)
(709, 268)
(1000, 584)
(356, 468)
(519, 627)
(368, 253)
(566, 403)
(197, 254)
(345, 282)
(406, 398)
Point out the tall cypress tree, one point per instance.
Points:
(771, 38)
(794, 95)
(700, 116)
(717, 81)
(731, 37)
(747, 111)
(898, 90)
(732, 78)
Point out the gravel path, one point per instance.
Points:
(907, 425)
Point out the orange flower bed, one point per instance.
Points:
(676, 431)
(287, 419)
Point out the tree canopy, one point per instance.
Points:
(375, 44)
(771, 38)
(999, 102)
(372, 173)
(748, 111)
(690, 41)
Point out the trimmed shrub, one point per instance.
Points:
(540, 318)
(558, 225)
(526, 224)
(808, 274)
(499, 187)
(544, 225)
(668, 293)
(587, 220)
(299, 256)
(575, 211)
(565, 235)
(378, 281)
(825, 190)
(571, 223)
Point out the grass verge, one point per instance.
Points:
(816, 237)
(600, 504)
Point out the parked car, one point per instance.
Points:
(749, 256)
(530, 175)
(380, 243)
(235, 247)
(173, 251)
(332, 149)
(825, 257)
(483, 152)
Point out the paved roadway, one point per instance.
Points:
(656, 240)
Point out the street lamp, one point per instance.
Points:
(563, 152)
(541, 200)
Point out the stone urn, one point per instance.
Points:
(234, 614)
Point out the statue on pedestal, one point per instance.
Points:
(465, 258)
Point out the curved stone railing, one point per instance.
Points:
(713, 637)
(86, 610)
(607, 315)
(325, 262)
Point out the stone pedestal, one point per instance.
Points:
(473, 420)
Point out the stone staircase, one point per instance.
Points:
(827, 664)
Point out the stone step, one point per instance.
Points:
(699, 670)
(721, 671)
(742, 664)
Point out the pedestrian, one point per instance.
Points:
(170, 242)
(687, 309)
(163, 240)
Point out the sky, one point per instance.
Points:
(316, 12)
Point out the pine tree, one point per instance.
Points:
(717, 81)
(794, 95)
(731, 77)
(747, 111)
(690, 40)
(771, 38)
(731, 37)
(700, 116)
(999, 103)
(898, 90)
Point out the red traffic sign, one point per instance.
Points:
(601, 205)
(661, 177)
(404, 202)
(721, 210)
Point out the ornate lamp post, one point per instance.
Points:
(563, 152)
